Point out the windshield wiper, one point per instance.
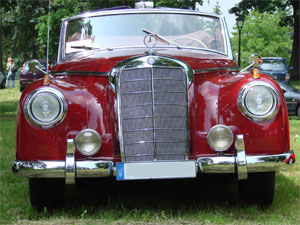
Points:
(161, 38)
(91, 48)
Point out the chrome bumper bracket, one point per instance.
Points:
(70, 166)
(241, 160)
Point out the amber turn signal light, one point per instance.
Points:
(46, 79)
(256, 74)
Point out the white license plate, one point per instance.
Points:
(156, 170)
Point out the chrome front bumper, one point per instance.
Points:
(241, 164)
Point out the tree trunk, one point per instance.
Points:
(295, 58)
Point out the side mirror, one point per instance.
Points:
(255, 60)
(35, 66)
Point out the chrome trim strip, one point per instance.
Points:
(79, 73)
(143, 92)
(56, 169)
(70, 166)
(136, 92)
(139, 11)
(230, 69)
(145, 154)
(145, 104)
(148, 129)
(153, 113)
(149, 142)
(117, 82)
(226, 36)
(130, 118)
(241, 161)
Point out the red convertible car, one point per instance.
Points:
(143, 94)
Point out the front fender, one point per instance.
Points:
(261, 137)
(213, 100)
(34, 143)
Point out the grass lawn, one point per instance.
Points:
(161, 202)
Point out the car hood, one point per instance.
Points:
(296, 95)
(104, 61)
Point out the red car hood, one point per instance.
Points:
(104, 61)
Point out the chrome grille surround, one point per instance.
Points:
(152, 108)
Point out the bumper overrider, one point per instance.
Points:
(70, 169)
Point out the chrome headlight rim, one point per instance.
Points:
(98, 136)
(271, 112)
(218, 149)
(62, 110)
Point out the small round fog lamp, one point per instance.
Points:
(88, 142)
(220, 138)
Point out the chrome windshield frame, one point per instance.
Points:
(227, 45)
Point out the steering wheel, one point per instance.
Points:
(193, 39)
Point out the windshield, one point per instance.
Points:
(273, 65)
(115, 31)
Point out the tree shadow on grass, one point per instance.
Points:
(8, 110)
(167, 195)
(149, 195)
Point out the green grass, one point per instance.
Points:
(138, 202)
(295, 84)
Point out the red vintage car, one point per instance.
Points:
(150, 94)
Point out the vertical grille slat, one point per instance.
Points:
(153, 113)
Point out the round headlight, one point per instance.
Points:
(45, 107)
(258, 100)
(88, 142)
(220, 138)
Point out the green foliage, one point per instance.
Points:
(183, 4)
(59, 9)
(217, 8)
(18, 26)
(269, 6)
(287, 18)
(262, 34)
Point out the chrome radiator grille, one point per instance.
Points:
(153, 114)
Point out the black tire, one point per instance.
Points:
(258, 188)
(21, 89)
(46, 192)
(298, 111)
